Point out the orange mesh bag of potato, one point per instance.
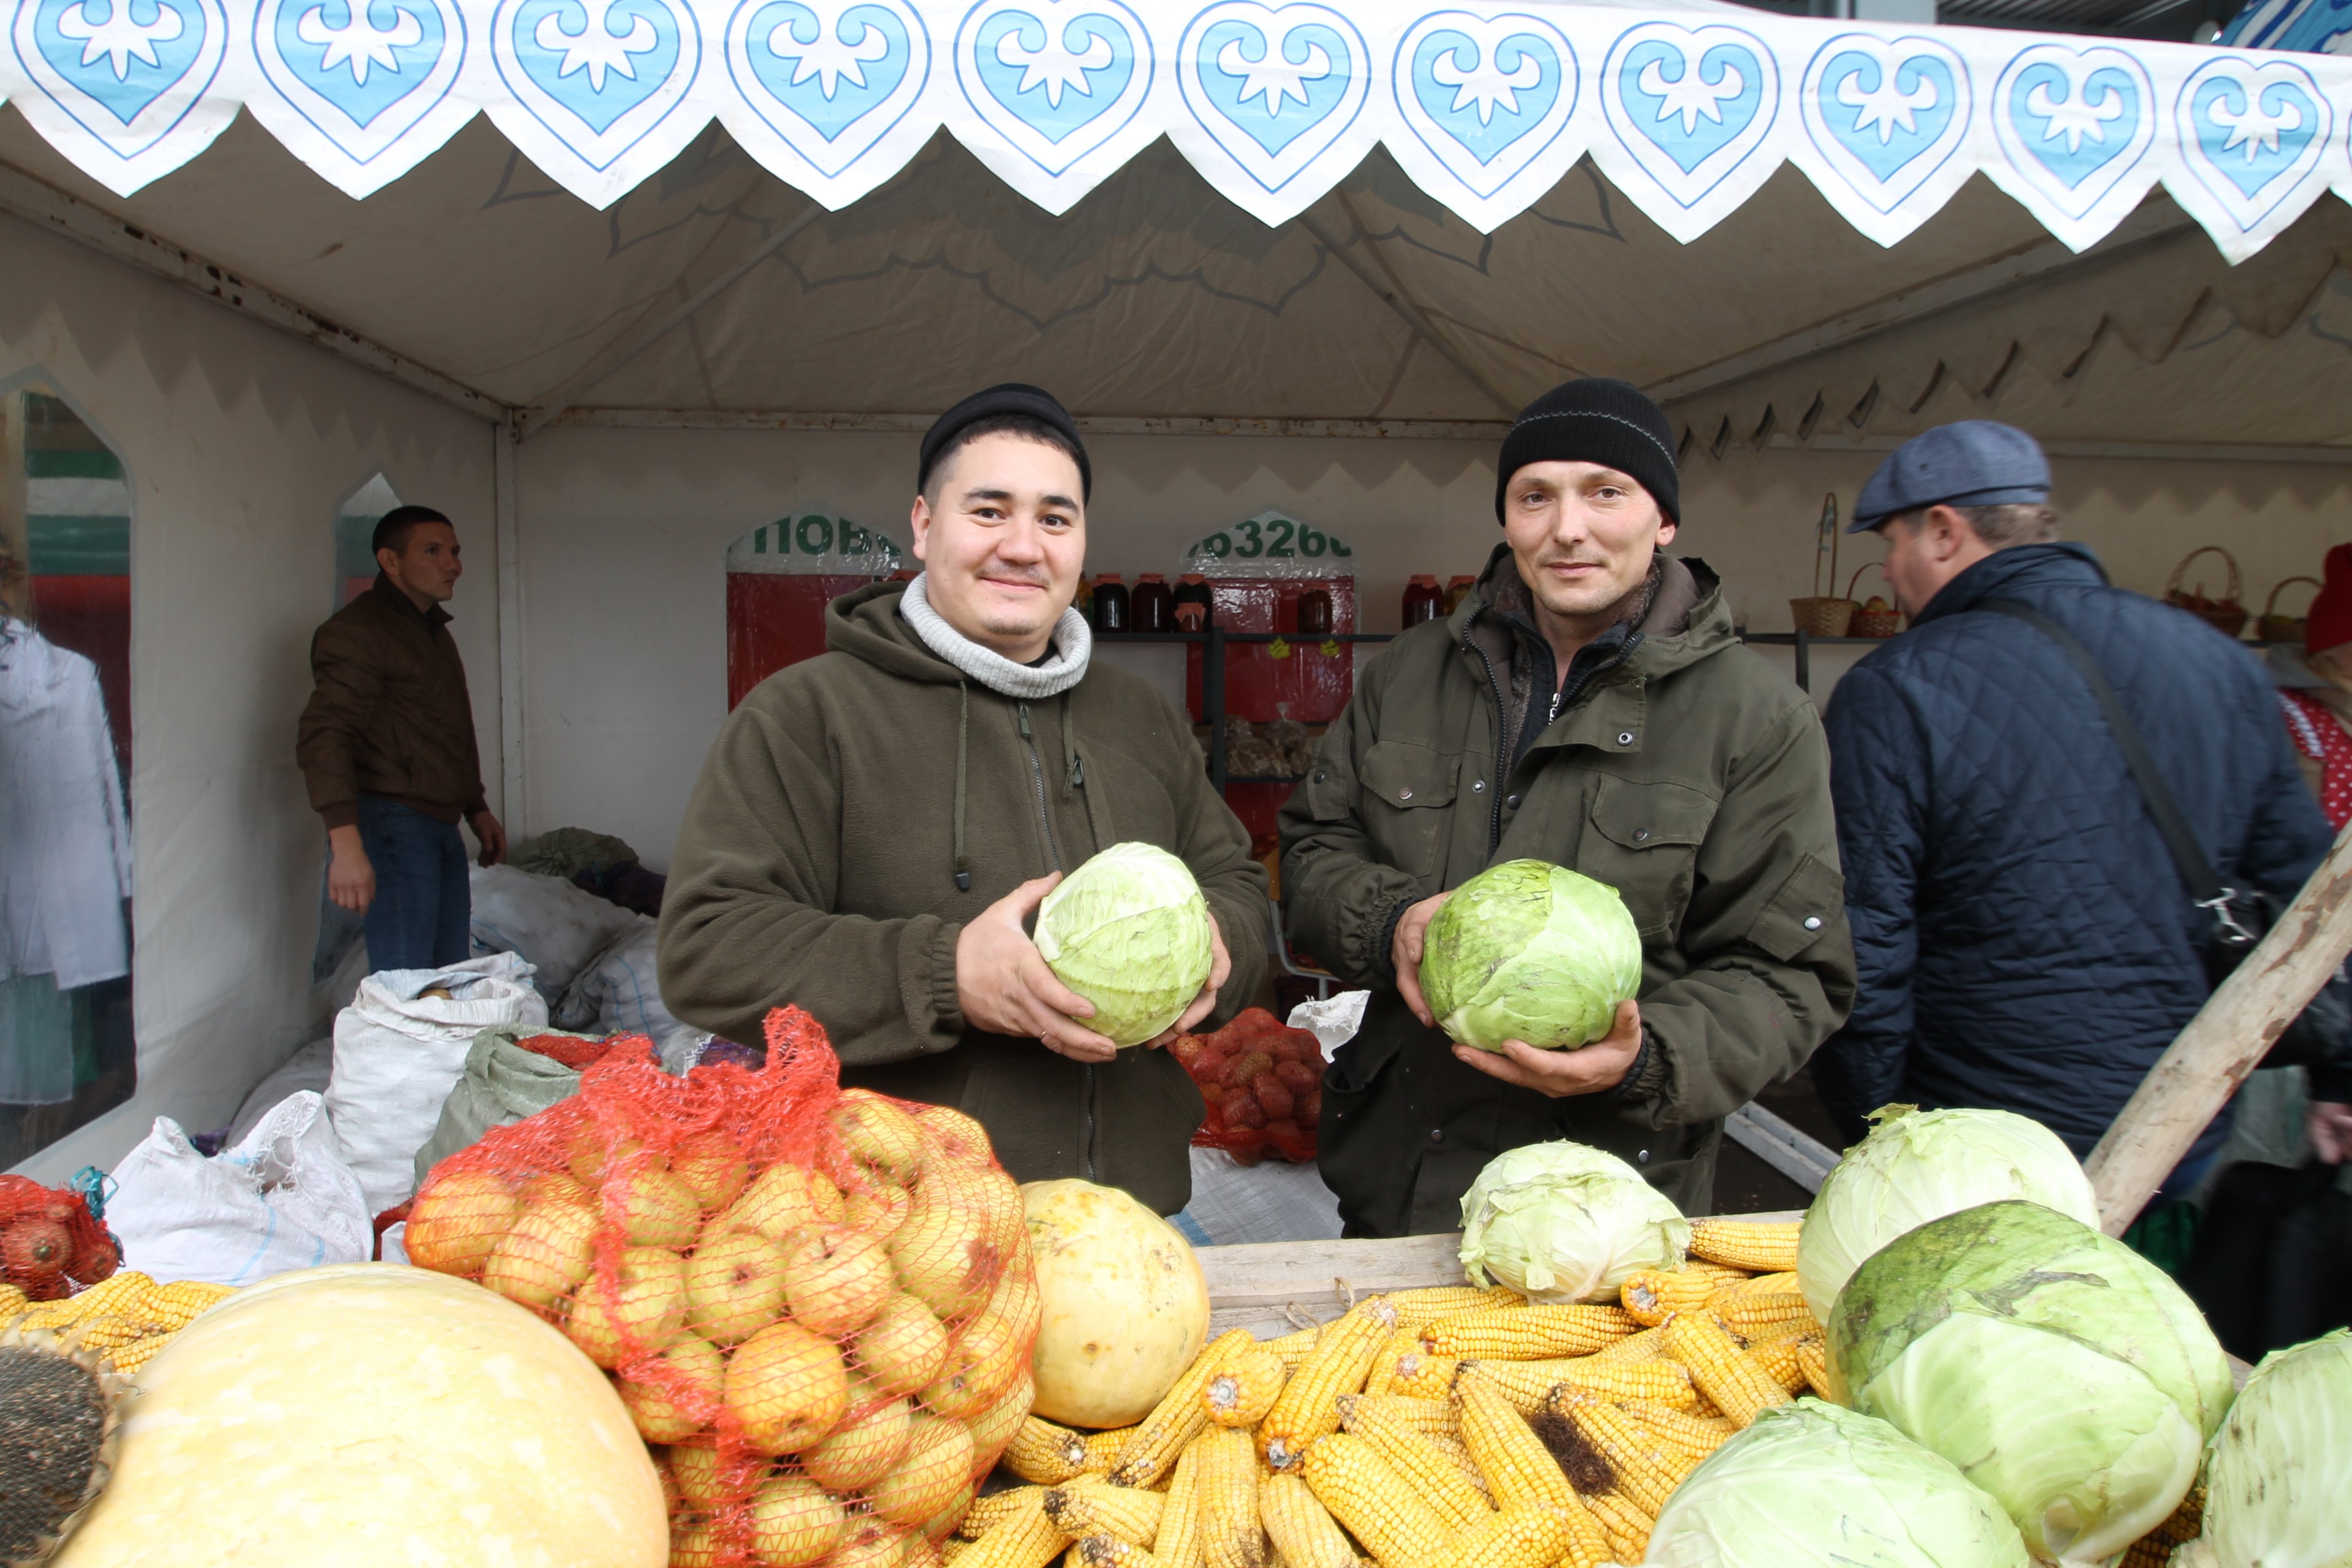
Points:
(817, 1303)
(50, 1243)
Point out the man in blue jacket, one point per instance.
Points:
(2025, 940)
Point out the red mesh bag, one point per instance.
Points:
(1264, 1084)
(51, 1243)
(817, 1303)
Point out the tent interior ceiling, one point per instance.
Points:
(1155, 297)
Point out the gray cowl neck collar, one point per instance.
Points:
(1073, 645)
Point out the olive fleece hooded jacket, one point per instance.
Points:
(817, 865)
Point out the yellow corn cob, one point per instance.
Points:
(1753, 1317)
(1633, 1455)
(1627, 1527)
(12, 1301)
(1177, 1420)
(1308, 1407)
(1226, 1494)
(1526, 1384)
(1110, 1552)
(1179, 1545)
(1294, 1348)
(1301, 1529)
(1516, 1537)
(1045, 1453)
(1426, 1466)
(1241, 1388)
(1527, 1333)
(953, 1547)
(180, 1303)
(1364, 1492)
(1651, 1294)
(1418, 1309)
(1814, 1361)
(1729, 1375)
(986, 1513)
(1793, 1329)
(1780, 1362)
(1644, 1346)
(1104, 1450)
(1520, 1471)
(1020, 1535)
(1430, 1417)
(1588, 1544)
(1763, 1247)
(1672, 1429)
(1764, 1285)
(130, 1358)
(1419, 1376)
(1092, 1506)
(1401, 1351)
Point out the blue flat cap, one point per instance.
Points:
(1976, 462)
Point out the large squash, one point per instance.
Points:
(1125, 1306)
(372, 1414)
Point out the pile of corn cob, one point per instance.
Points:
(1450, 1428)
(126, 1317)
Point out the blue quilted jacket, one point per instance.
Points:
(2024, 940)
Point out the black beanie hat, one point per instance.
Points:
(1011, 397)
(1595, 420)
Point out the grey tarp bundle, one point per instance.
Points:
(501, 1084)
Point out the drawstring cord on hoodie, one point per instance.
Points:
(964, 749)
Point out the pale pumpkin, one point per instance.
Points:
(372, 1414)
(1125, 1308)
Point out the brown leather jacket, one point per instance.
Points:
(389, 714)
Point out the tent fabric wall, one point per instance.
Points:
(238, 443)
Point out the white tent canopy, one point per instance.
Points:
(611, 362)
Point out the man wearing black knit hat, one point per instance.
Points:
(1590, 706)
(875, 826)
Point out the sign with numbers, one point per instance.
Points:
(1271, 544)
(814, 544)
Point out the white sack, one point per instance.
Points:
(620, 992)
(311, 1068)
(1333, 1020)
(398, 1053)
(281, 1199)
(558, 928)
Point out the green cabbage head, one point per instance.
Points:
(2059, 1370)
(1563, 1222)
(1127, 931)
(1813, 1486)
(1528, 951)
(2278, 1482)
(1918, 1165)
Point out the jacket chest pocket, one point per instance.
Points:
(1644, 843)
(1408, 795)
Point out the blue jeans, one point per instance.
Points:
(423, 902)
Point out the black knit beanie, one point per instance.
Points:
(1017, 397)
(1595, 420)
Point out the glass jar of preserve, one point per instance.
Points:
(1151, 609)
(1194, 606)
(1110, 603)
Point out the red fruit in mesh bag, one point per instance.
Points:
(734, 1286)
(644, 1313)
(835, 1280)
(1297, 1077)
(1242, 1068)
(699, 1477)
(1311, 1107)
(886, 1142)
(34, 1250)
(456, 1221)
(787, 1387)
(937, 1465)
(653, 1207)
(958, 1136)
(544, 1257)
(793, 1522)
(1273, 1098)
(903, 1348)
(1211, 1094)
(781, 1200)
(1240, 1109)
(994, 1427)
(690, 1375)
(1209, 1067)
(981, 1364)
(712, 1163)
(871, 1544)
(1186, 1049)
(867, 1441)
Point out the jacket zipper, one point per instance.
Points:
(1037, 778)
(1495, 806)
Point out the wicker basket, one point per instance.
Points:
(1822, 617)
(2226, 614)
(2275, 628)
(1869, 623)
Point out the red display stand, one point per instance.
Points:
(780, 578)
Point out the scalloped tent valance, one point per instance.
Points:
(1484, 107)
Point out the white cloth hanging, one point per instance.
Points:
(65, 836)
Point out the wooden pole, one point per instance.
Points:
(2227, 1040)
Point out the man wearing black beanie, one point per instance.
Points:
(875, 827)
(1588, 705)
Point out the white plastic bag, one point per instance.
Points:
(1333, 1021)
(398, 1052)
(620, 992)
(281, 1199)
(558, 929)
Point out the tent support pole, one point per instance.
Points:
(2155, 224)
(1376, 276)
(52, 211)
(505, 440)
(650, 329)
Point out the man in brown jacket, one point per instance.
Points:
(387, 746)
(875, 827)
(1589, 705)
